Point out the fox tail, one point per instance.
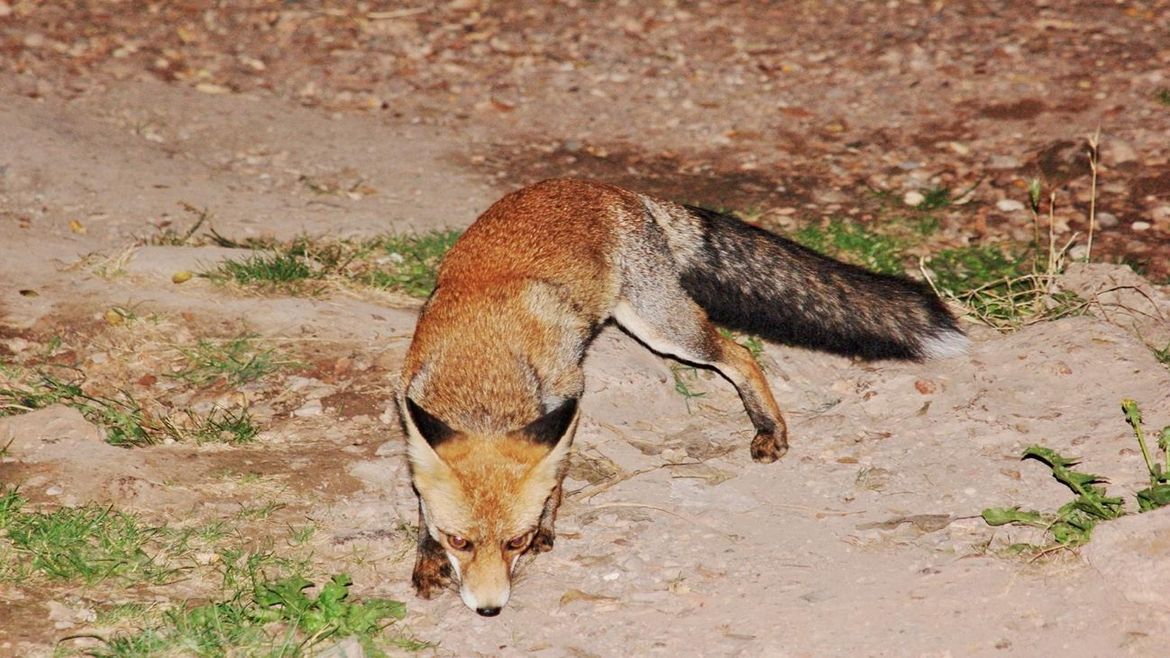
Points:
(754, 281)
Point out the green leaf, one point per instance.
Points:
(1004, 515)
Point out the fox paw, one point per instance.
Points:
(766, 448)
(431, 577)
(543, 541)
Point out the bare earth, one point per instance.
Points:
(864, 540)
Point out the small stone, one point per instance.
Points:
(1115, 151)
(54, 491)
(913, 198)
(1140, 226)
(1003, 162)
(1160, 215)
(310, 408)
(1009, 205)
(1106, 220)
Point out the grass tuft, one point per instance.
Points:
(855, 243)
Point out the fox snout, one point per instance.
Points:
(485, 582)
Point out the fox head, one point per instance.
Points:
(483, 496)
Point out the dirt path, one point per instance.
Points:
(865, 540)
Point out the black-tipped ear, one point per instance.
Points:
(432, 429)
(549, 428)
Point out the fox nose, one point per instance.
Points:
(488, 612)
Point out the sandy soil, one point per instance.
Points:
(864, 540)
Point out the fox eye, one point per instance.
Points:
(517, 543)
(458, 543)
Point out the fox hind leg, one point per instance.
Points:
(432, 569)
(687, 334)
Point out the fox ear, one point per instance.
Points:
(433, 430)
(549, 429)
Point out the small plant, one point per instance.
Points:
(681, 374)
(126, 422)
(1158, 493)
(1072, 525)
(408, 263)
(1163, 96)
(752, 344)
(87, 544)
(853, 242)
(935, 198)
(272, 269)
(1163, 355)
(275, 618)
(237, 361)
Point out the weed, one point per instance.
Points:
(681, 373)
(408, 263)
(1072, 524)
(853, 242)
(935, 198)
(272, 269)
(1158, 493)
(237, 361)
(275, 618)
(1163, 355)
(220, 425)
(87, 544)
(1163, 96)
(170, 237)
(126, 422)
(752, 344)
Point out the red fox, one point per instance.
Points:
(492, 379)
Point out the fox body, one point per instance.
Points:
(491, 382)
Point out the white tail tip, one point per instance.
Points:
(945, 345)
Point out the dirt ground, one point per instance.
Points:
(358, 119)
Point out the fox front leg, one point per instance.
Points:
(546, 533)
(432, 569)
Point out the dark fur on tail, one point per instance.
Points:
(754, 281)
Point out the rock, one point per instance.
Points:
(1009, 205)
(913, 198)
(1106, 220)
(1140, 226)
(311, 408)
(1131, 553)
(1115, 151)
(1003, 162)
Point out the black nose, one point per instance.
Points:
(488, 612)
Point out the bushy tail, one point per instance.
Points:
(754, 281)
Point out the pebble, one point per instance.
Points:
(913, 198)
(1140, 226)
(54, 491)
(1009, 205)
(1160, 214)
(1003, 162)
(1106, 220)
(310, 408)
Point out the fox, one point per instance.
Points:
(491, 383)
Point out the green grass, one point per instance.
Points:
(408, 263)
(1072, 524)
(87, 545)
(1163, 96)
(272, 269)
(236, 362)
(273, 618)
(405, 262)
(123, 418)
(684, 377)
(1163, 355)
(935, 198)
(264, 606)
(855, 243)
